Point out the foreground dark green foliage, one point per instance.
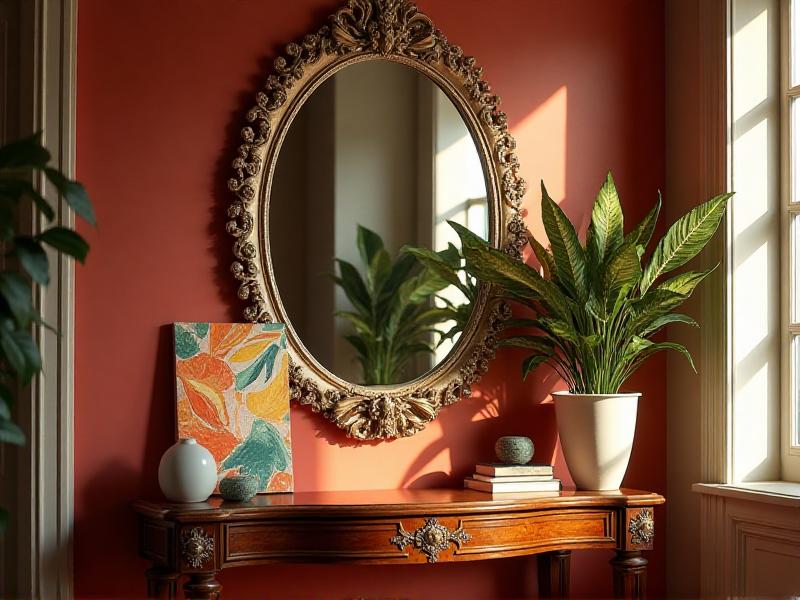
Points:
(596, 304)
(20, 360)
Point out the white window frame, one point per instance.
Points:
(790, 436)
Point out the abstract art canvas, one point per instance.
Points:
(233, 397)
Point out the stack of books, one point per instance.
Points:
(500, 478)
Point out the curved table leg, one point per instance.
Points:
(630, 574)
(202, 586)
(553, 574)
(162, 582)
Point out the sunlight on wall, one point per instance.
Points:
(750, 86)
(459, 194)
(755, 293)
(547, 157)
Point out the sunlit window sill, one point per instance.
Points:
(783, 493)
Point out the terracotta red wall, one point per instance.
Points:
(162, 89)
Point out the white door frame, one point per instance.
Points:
(36, 554)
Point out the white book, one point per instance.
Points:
(554, 485)
(499, 470)
(509, 478)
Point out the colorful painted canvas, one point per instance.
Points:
(233, 397)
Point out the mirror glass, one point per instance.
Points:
(376, 161)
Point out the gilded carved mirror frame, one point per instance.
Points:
(372, 30)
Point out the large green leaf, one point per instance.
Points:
(65, 240)
(15, 189)
(6, 402)
(529, 342)
(606, 228)
(641, 234)
(569, 256)
(651, 348)
(544, 257)
(74, 194)
(368, 243)
(530, 363)
(402, 269)
(27, 153)
(17, 294)
(685, 239)
(685, 283)
(10, 433)
(436, 263)
(654, 304)
(21, 352)
(379, 270)
(493, 266)
(33, 259)
(664, 320)
(422, 287)
(359, 322)
(558, 328)
(621, 273)
(353, 286)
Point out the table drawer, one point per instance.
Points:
(429, 539)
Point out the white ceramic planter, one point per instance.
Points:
(187, 472)
(596, 432)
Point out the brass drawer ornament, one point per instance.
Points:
(642, 527)
(431, 539)
(196, 547)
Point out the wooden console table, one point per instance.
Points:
(395, 527)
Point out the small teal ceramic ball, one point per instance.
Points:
(514, 449)
(238, 488)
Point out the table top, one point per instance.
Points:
(406, 502)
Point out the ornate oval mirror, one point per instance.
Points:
(369, 136)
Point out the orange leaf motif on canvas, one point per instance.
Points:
(219, 442)
(280, 482)
(226, 336)
(205, 380)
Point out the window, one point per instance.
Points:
(790, 192)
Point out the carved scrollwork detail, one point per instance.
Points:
(197, 547)
(385, 28)
(642, 527)
(431, 539)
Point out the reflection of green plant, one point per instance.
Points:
(597, 307)
(447, 264)
(20, 360)
(393, 317)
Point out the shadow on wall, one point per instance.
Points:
(486, 416)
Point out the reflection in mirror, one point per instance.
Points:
(374, 164)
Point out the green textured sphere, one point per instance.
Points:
(238, 488)
(514, 449)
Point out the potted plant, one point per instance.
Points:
(596, 310)
(393, 316)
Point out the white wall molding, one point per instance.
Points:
(696, 169)
(37, 557)
(750, 548)
(715, 297)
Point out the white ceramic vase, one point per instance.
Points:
(187, 472)
(596, 432)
